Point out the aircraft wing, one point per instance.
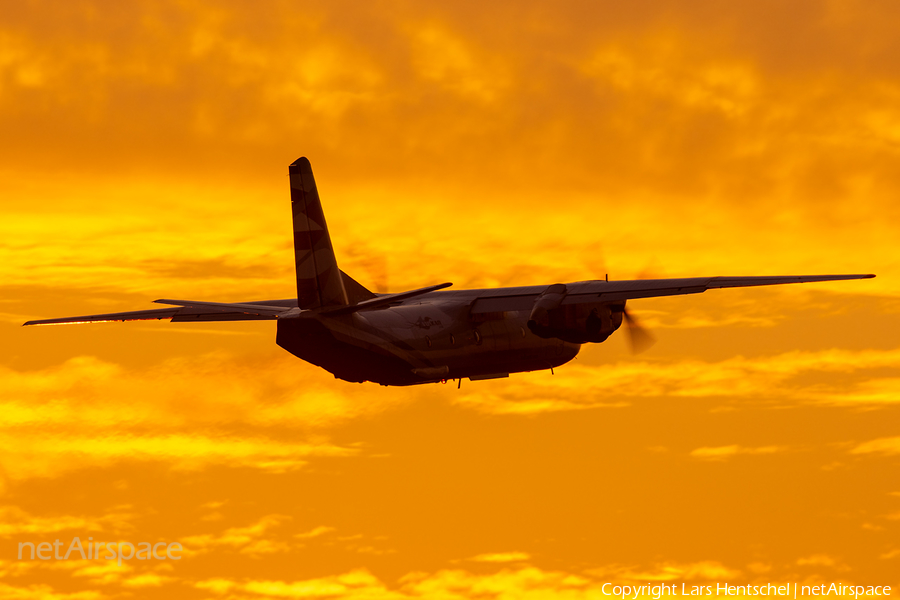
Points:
(189, 311)
(651, 288)
(615, 291)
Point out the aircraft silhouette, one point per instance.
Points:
(427, 335)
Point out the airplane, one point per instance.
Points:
(430, 334)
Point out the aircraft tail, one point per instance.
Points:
(356, 292)
(319, 281)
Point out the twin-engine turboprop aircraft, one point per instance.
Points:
(429, 335)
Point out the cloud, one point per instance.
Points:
(232, 255)
(216, 586)
(884, 446)
(212, 388)
(707, 570)
(354, 584)
(822, 560)
(80, 400)
(695, 319)
(523, 582)
(745, 148)
(96, 573)
(45, 592)
(222, 409)
(103, 572)
(502, 557)
(451, 61)
(18, 522)
(726, 452)
(146, 580)
(315, 532)
(246, 540)
(527, 581)
(213, 409)
(652, 68)
(759, 567)
(49, 456)
(792, 377)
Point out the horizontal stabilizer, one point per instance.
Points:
(249, 309)
(186, 311)
(382, 300)
(137, 315)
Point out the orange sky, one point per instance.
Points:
(144, 155)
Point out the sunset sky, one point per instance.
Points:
(144, 155)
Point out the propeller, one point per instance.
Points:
(638, 337)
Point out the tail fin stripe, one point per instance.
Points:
(318, 280)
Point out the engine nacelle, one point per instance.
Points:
(578, 323)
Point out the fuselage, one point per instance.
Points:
(434, 337)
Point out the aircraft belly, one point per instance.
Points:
(533, 354)
(501, 345)
(350, 360)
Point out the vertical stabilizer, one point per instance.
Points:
(319, 281)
